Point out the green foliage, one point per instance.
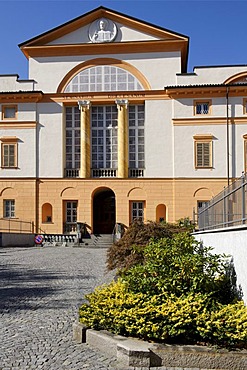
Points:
(193, 318)
(128, 251)
(180, 265)
(179, 292)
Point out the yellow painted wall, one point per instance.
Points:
(179, 196)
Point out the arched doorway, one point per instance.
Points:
(104, 211)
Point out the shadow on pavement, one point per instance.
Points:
(22, 289)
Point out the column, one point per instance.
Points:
(123, 158)
(84, 106)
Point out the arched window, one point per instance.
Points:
(103, 78)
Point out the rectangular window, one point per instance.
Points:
(203, 151)
(137, 211)
(9, 154)
(73, 138)
(203, 154)
(71, 212)
(104, 137)
(9, 112)
(136, 139)
(202, 107)
(9, 208)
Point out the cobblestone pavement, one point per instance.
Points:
(40, 292)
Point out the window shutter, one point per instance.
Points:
(203, 154)
(199, 157)
(206, 154)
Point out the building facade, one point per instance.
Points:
(110, 127)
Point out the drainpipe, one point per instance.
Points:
(227, 136)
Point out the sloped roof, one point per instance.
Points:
(166, 39)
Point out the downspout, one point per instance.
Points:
(227, 136)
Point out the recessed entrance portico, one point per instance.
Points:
(104, 211)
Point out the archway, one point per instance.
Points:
(104, 211)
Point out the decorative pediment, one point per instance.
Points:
(89, 34)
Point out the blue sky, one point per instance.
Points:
(217, 29)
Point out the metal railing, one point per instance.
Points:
(72, 172)
(226, 209)
(104, 172)
(136, 172)
(9, 225)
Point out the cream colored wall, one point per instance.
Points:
(26, 153)
(159, 68)
(11, 83)
(50, 140)
(158, 139)
(209, 75)
(81, 36)
(184, 151)
(184, 108)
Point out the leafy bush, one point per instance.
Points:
(179, 293)
(186, 319)
(128, 251)
(180, 265)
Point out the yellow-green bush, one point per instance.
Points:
(185, 319)
(178, 292)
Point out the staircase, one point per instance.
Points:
(103, 240)
(93, 241)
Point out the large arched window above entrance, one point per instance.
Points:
(103, 78)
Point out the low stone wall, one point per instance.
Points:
(16, 240)
(136, 353)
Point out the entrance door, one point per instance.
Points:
(104, 212)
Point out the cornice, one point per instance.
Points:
(109, 48)
(20, 97)
(195, 121)
(204, 91)
(17, 125)
(107, 96)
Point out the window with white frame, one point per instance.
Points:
(9, 208)
(104, 137)
(202, 107)
(73, 135)
(103, 78)
(203, 151)
(137, 211)
(136, 137)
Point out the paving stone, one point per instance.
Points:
(41, 290)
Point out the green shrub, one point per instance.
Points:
(187, 319)
(180, 265)
(180, 292)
